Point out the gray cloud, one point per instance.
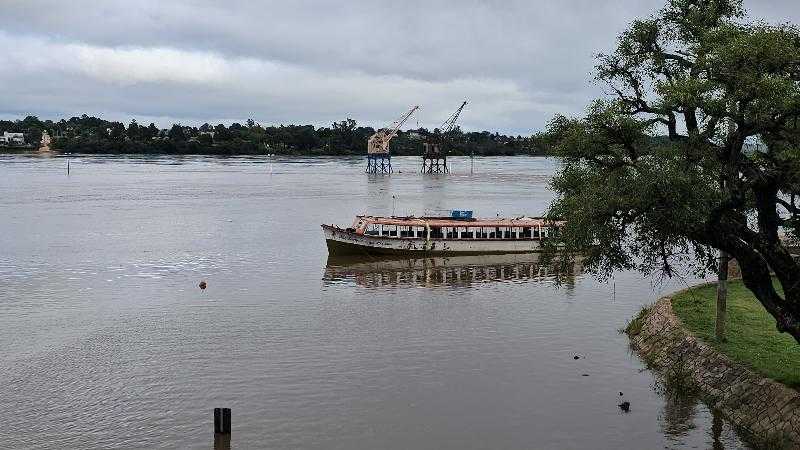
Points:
(518, 62)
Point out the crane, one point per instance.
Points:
(434, 156)
(450, 124)
(379, 142)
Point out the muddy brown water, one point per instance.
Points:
(107, 341)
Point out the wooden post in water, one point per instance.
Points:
(222, 442)
(222, 421)
(222, 429)
(471, 163)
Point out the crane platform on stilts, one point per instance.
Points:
(436, 147)
(379, 160)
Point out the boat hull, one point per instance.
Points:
(343, 242)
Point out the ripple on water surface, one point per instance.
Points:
(107, 341)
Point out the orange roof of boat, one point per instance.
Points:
(449, 222)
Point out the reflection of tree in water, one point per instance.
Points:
(678, 418)
(679, 412)
(681, 398)
(716, 430)
(452, 271)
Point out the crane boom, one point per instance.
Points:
(399, 123)
(379, 142)
(450, 123)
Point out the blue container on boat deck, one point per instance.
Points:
(460, 214)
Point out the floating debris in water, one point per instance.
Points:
(576, 357)
(202, 285)
(625, 406)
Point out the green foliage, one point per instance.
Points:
(617, 182)
(709, 82)
(31, 126)
(751, 335)
(87, 134)
(678, 380)
(634, 327)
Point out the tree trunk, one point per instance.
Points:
(722, 296)
(757, 278)
(724, 259)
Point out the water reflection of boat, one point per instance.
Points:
(432, 271)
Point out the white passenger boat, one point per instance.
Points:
(461, 235)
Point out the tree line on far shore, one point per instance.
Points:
(87, 134)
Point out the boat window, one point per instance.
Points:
(436, 233)
(536, 232)
(372, 230)
(526, 232)
(506, 233)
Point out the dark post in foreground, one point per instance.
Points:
(222, 421)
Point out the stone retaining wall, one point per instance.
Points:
(768, 411)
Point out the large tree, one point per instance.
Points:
(695, 149)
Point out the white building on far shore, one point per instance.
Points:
(12, 138)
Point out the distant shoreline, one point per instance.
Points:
(93, 135)
(54, 152)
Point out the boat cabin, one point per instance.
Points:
(454, 229)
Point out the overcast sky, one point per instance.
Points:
(192, 61)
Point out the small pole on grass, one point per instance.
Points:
(722, 296)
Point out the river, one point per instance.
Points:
(106, 341)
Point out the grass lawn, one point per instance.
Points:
(752, 337)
